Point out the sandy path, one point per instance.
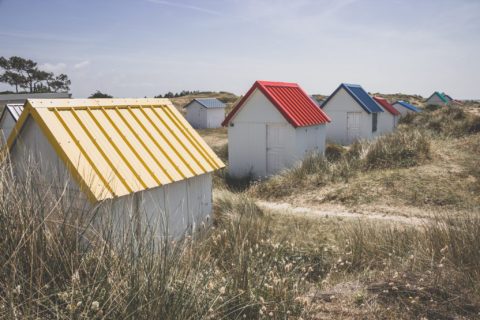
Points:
(286, 208)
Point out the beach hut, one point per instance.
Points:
(388, 120)
(124, 153)
(205, 113)
(354, 114)
(274, 125)
(405, 108)
(8, 119)
(438, 99)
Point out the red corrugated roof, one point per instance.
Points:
(292, 102)
(387, 106)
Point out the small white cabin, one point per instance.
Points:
(354, 114)
(438, 99)
(203, 113)
(388, 120)
(405, 108)
(121, 153)
(8, 120)
(275, 125)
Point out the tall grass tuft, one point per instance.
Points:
(434, 268)
(404, 148)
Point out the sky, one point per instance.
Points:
(138, 48)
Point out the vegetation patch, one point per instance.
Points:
(56, 264)
(402, 149)
(396, 150)
(449, 121)
(250, 264)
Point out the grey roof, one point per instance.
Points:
(22, 97)
(15, 110)
(208, 103)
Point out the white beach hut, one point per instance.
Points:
(275, 125)
(405, 108)
(388, 120)
(354, 114)
(8, 120)
(125, 153)
(439, 99)
(203, 113)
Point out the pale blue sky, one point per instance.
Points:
(136, 48)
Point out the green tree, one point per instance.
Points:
(12, 75)
(24, 73)
(59, 83)
(99, 94)
(13, 79)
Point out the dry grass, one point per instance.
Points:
(249, 265)
(415, 167)
(446, 122)
(59, 263)
(400, 149)
(449, 181)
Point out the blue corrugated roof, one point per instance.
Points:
(208, 103)
(359, 95)
(364, 98)
(408, 106)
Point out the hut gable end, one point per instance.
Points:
(258, 109)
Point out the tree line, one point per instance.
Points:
(181, 94)
(25, 74)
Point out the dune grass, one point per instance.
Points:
(400, 149)
(60, 263)
(57, 263)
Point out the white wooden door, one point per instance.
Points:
(200, 118)
(353, 126)
(176, 207)
(275, 147)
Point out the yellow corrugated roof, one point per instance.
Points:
(117, 146)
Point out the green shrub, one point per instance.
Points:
(432, 107)
(408, 118)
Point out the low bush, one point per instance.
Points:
(431, 107)
(334, 152)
